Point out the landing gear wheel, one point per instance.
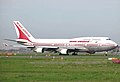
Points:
(106, 53)
(74, 53)
(63, 54)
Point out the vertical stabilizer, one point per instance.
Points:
(22, 32)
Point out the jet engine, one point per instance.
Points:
(64, 51)
(39, 50)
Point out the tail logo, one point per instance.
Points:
(23, 29)
(22, 32)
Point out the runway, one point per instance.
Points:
(100, 56)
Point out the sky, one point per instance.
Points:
(61, 18)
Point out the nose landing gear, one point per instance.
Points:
(106, 53)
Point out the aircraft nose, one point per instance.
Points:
(115, 44)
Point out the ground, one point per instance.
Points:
(54, 68)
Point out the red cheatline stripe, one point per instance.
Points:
(78, 41)
(83, 41)
(73, 41)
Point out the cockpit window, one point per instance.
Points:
(108, 39)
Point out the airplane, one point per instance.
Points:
(62, 46)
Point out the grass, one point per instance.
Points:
(70, 69)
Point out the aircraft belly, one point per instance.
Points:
(93, 48)
(99, 48)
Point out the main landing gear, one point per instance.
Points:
(75, 53)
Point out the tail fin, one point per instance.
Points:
(22, 33)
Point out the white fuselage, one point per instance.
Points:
(95, 44)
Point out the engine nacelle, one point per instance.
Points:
(64, 51)
(39, 50)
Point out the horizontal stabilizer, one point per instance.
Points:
(13, 40)
(22, 46)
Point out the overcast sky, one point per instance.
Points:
(61, 18)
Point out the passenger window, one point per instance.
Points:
(96, 41)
